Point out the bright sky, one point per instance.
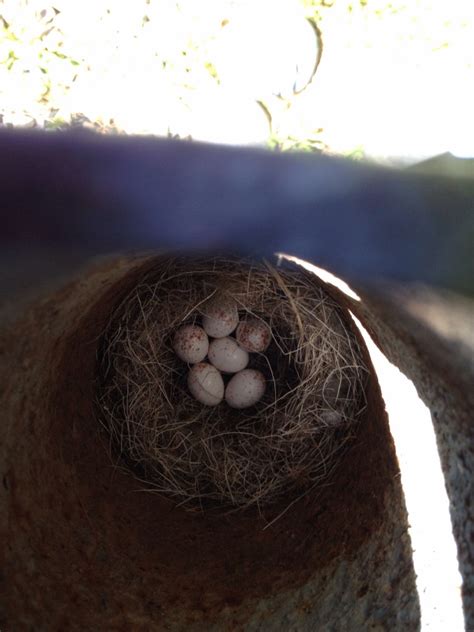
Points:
(396, 79)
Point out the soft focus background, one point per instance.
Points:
(395, 82)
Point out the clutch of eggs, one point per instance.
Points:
(224, 353)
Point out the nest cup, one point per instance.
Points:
(202, 457)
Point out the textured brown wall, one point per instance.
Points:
(82, 549)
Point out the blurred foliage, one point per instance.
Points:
(27, 50)
(311, 144)
(110, 60)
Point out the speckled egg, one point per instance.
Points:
(253, 335)
(245, 388)
(226, 355)
(220, 316)
(191, 344)
(205, 384)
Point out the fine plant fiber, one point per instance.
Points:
(207, 457)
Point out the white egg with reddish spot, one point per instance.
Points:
(245, 388)
(205, 384)
(253, 335)
(226, 355)
(191, 344)
(220, 316)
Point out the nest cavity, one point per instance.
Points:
(286, 444)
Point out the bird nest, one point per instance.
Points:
(204, 457)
